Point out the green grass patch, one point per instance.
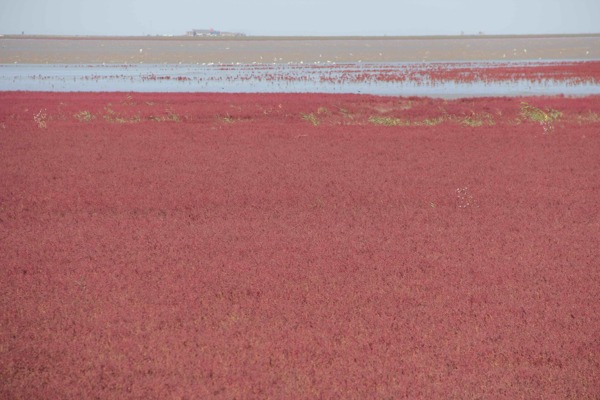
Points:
(388, 121)
(312, 118)
(535, 114)
(84, 116)
(392, 121)
(477, 120)
(429, 121)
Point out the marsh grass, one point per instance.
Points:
(535, 114)
(589, 118)
(41, 119)
(171, 117)
(545, 118)
(312, 118)
(388, 121)
(84, 116)
(230, 119)
(429, 121)
(112, 117)
(477, 120)
(346, 114)
(392, 121)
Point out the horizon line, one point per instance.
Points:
(290, 36)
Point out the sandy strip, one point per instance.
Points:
(247, 50)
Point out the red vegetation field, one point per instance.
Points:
(573, 73)
(298, 246)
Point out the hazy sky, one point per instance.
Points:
(299, 17)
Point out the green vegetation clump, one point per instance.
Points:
(477, 120)
(429, 121)
(228, 119)
(312, 118)
(40, 118)
(391, 121)
(544, 118)
(84, 116)
(388, 121)
(112, 117)
(534, 114)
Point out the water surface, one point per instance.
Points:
(395, 79)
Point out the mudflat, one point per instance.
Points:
(39, 49)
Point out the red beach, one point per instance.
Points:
(295, 246)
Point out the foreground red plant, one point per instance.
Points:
(294, 246)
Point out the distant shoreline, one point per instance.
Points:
(29, 49)
(295, 37)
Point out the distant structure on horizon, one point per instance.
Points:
(212, 33)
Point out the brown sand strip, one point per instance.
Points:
(264, 50)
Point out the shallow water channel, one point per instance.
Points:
(397, 79)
